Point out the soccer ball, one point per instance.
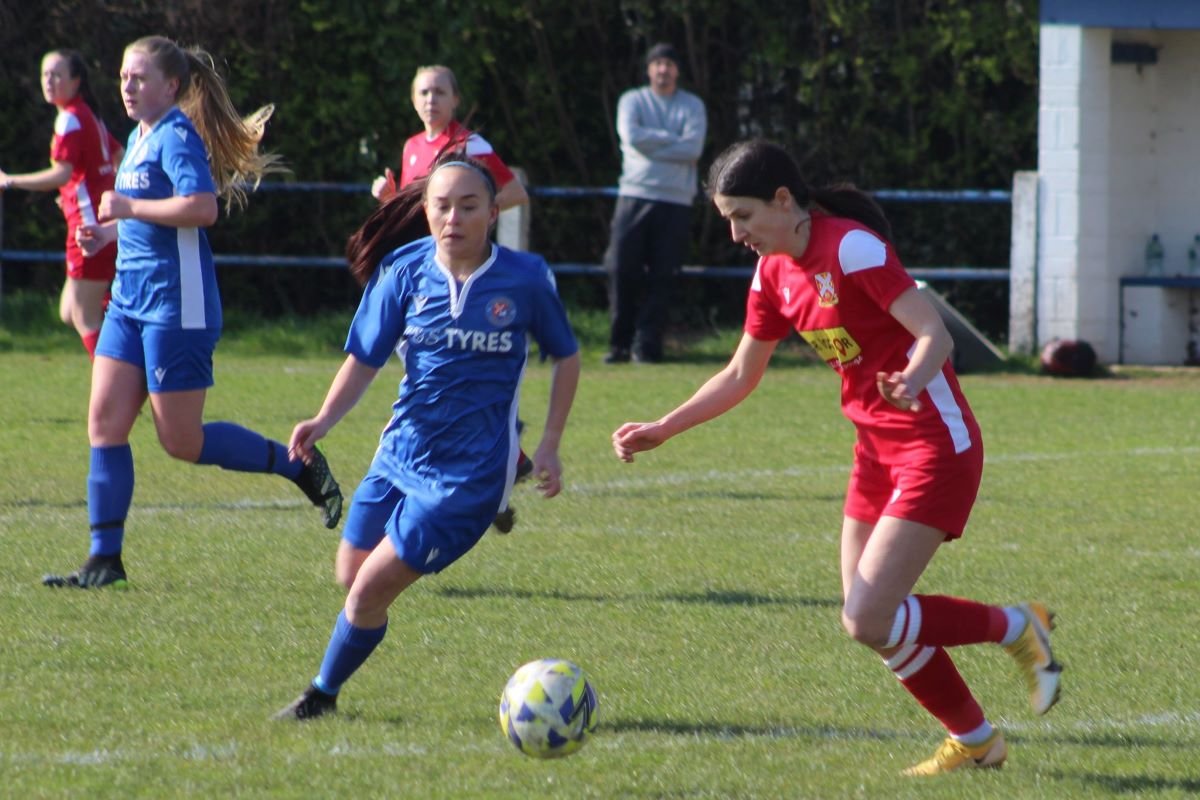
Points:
(548, 708)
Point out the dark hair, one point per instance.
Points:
(76, 68)
(758, 168)
(401, 218)
(397, 221)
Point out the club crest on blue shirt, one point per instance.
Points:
(501, 311)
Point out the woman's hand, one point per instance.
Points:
(547, 471)
(384, 187)
(304, 438)
(896, 389)
(114, 205)
(94, 238)
(636, 437)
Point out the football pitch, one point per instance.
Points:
(698, 588)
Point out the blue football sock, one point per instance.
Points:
(348, 649)
(109, 493)
(233, 447)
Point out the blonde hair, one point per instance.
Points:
(231, 140)
(449, 73)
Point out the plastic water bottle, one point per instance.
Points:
(1194, 258)
(1154, 257)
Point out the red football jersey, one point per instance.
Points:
(420, 152)
(837, 296)
(81, 139)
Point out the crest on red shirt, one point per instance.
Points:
(826, 294)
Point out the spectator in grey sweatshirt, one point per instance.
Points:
(662, 131)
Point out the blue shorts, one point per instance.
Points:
(428, 531)
(174, 359)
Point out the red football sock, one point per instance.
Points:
(89, 342)
(941, 621)
(930, 676)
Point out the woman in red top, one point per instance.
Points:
(83, 160)
(827, 269)
(435, 97)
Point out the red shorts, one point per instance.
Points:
(935, 491)
(100, 267)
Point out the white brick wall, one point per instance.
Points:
(1118, 160)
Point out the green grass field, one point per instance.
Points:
(698, 587)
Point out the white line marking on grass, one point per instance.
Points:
(645, 479)
(1171, 722)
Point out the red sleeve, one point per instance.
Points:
(886, 283)
(407, 169)
(68, 147)
(500, 171)
(763, 320)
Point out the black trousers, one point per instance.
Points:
(645, 251)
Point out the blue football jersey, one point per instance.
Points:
(464, 347)
(165, 275)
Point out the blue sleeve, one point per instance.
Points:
(378, 324)
(550, 327)
(185, 161)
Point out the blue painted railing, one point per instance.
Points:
(945, 273)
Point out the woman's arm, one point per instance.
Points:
(189, 211)
(44, 180)
(929, 353)
(345, 391)
(512, 194)
(547, 468)
(720, 393)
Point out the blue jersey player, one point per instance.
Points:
(462, 312)
(164, 320)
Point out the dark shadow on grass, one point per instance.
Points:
(718, 730)
(34, 503)
(1116, 740)
(723, 598)
(656, 493)
(1132, 784)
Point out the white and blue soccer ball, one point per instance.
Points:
(548, 708)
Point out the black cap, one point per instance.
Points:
(663, 50)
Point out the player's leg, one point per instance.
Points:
(85, 291)
(372, 506)
(881, 564)
(624, 261)
(178, 382)
(360, 627)
(117, 394)
(939, 492)
(667, 247)
(423, 535)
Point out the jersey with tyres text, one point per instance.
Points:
(837, 296)
(165, 275)
(420, 152)
(453, 431)
(81, 140)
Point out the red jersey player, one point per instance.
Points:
(827, 269)
(435, 97)
(83, 156)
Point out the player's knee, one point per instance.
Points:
(180, 446)
(864, 627)
(363, 610)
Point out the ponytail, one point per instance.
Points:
(757, 168)
(396, 222)
(231, 141)
(846, 200)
